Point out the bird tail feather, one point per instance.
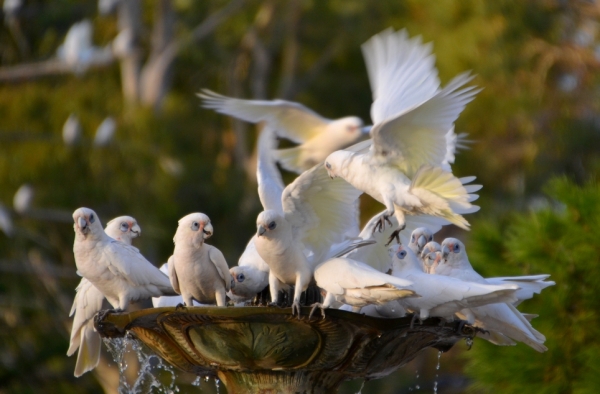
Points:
(89, 350)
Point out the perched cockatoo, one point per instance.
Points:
(419, 238)
(358, 284)
(405, 164)
(198, 271)
(88, 302)
(251, 275)
(429, 258)
(118, 270)
(443, 296)
(502, 318)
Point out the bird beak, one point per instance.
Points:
(261, 231)
(207, 230)
(135, 229)
(82, 223)
(421, 241)
(445, 252)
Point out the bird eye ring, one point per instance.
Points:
(328, 165)
(401, 254)
(92, 219)
(272, 225)
(195, 226)
(456, 248)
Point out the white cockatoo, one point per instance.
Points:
(502, 318)
(88, 302)
(313, 214)
(6, 223)
(251, 275)
(529, 285)
(105, 132)
(198, 271)
(118, 270)
(23, 198)
(443, 296)
(429, 258)
(71, 132)
(358, 284)
(78, 52)
(317, 136)
(404, 166)
(169, 301)
(419, 238)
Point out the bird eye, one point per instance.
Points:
(272, 225)
(401, 254)
(456, 248)
(92, 218)
(328, 165)
(241, 278)
(195, 226)
(124, 227)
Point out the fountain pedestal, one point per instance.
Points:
(267, 350)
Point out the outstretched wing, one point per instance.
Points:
(270, 185)
(417, 136)
(321, 211)
(291, 120)
(401, 71)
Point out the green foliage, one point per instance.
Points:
(561, 240)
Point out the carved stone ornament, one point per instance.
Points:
(267, 350)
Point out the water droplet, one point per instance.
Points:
(418, 387)
(197, 381)
(469, 343)
(206, 378)
(217, 381)
(361, 387)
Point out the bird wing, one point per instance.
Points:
(401, 72)
(270, 185)
(320, 210)
(417, 136)
(291, 120)
(220, 263)
(529, 285)
(339, 274)
(127, 262)
(88, 301)
(173, 275)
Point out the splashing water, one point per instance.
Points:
(217, 381)
(197, 382)
(153, 369)
(437, 368)
(469, 343)
(361, 387)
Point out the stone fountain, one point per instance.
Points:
(267, 350)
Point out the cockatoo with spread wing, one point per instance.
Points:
(443, 296)
(198, 271)
(252, 273)
(503, 318)
(404, 166)
(317, 135)
(358, 284)
(88, 302)
(118, 270)
(315, 214)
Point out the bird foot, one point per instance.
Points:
(395, 235)
(380, 226)
(180, 306)
(296, 309)
(414, 319)
(314, 308)
(105, 312)
(272, 304)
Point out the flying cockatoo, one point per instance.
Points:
(88, 302)
(358, 284)
(318, 136)
(405, 165)
(443, 296)
(198, 271)
(118, 270)
(502, 318)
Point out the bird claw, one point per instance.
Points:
(272, 304)
(180, 306)
(314, 308)
(296, 309)
(396, 235)
(380, 226)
